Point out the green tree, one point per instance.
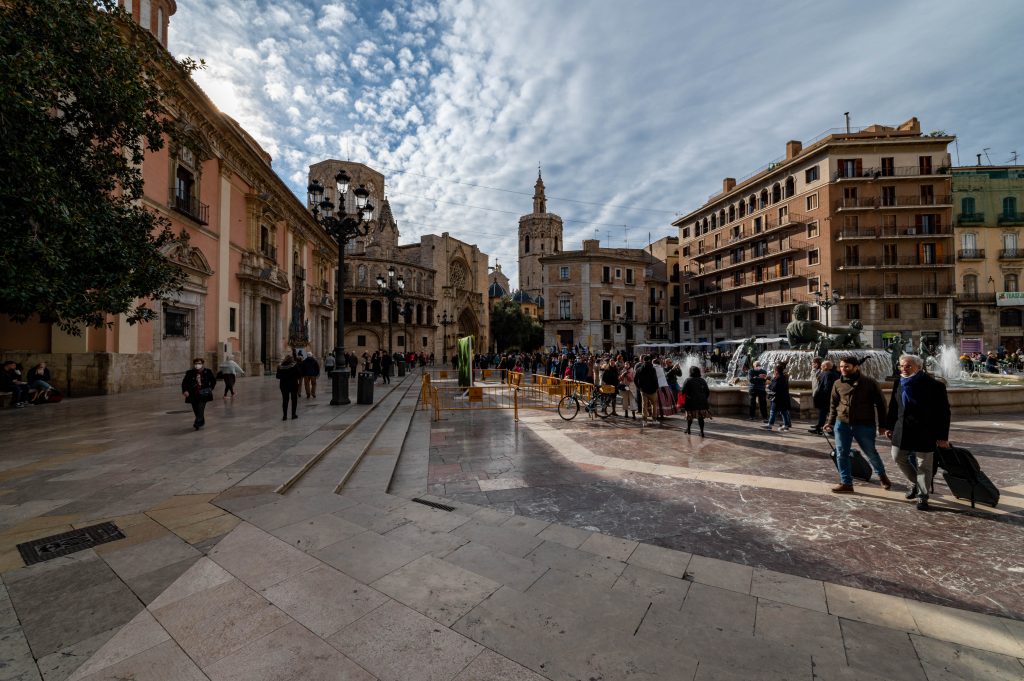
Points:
(83, 95)
(513, 329)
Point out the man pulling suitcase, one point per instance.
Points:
(917, 422)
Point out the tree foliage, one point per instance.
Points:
(80, 103)
(513, 329)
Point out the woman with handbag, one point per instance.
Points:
(197, 388)
(289, 376)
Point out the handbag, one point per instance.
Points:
(681, 402)
(206, 394)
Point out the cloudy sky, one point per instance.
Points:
(635, 111)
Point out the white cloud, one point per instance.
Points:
(481, 91)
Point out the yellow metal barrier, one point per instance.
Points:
(521, 391)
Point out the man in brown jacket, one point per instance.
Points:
(857, 409)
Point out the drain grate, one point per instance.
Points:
(434, 504)
(54, 546)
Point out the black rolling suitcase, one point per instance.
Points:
(860, 467)
(964, 476)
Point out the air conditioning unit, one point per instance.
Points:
(911, 231)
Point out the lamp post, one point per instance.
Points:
(827, 302)
(712, 311)
(391, 288)
(445, 321)
(342, 226)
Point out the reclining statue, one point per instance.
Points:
(804, 334)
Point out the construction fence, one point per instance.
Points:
(495, 389)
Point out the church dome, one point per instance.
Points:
(522, 296)
(496, 291)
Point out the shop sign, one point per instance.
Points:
(1007, 298)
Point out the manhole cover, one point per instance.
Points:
(54, 546)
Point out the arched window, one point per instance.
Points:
(967, 205)
(556, 244)
(1010, 318)
(1010, 207)
(361, 276)
(360, 310)
(764, 199)
(743, 208)
(714, 221)
(721, 217)
(526, 244)
(430, 314)
(751, 204)
(348, 311)
(971, 321)
(375, 312)
(675, 269)
(971, 284)
(790, 187)
(705, 223)
(1011, 283)
(776, 193)
(732, 213)
(419, 313)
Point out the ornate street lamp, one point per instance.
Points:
(712, 311)
(827, 302)
(391, 288)
(445, 321)
(343, 226)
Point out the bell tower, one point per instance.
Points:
(152, 15)
(540, 234)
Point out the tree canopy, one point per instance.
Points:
(513, 329)
(80, 104)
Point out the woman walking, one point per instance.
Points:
(289, 377)
(778, 395)
(229, 371)
(697, 400)
(197, 387)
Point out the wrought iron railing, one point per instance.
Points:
(190, 206)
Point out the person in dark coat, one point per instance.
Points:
(310, 370)
(197, 387)
(757, 380)
(778, 395)
(917, 422)
(289, 376)
(385, 366)
(646, 380)
(697, 404)
(823, 393)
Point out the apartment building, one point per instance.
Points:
(867, 213)
(988, 222)
(605, 298)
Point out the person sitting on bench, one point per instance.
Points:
(10, 382)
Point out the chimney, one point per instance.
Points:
(793, 148)
(728, 184)
(591, 244)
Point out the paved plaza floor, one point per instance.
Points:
(258, 548)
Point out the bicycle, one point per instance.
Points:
(601, 404)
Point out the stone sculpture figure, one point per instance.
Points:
(748, 352)
(896, 348)
(849, 338)
(803, 334)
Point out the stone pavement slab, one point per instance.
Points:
(368, 556)
(317, 532)
(259, 559)
(944, 662)
(789, 589)
(489, 666)
(323, 599)
(165, 662)
(880, 650)
(503, 568)
(396, 643)
(291, 652)
(139, 635)
(436, 588)
(645, 585)
(212, 624)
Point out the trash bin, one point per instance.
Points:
(401, 368)
(364, 391)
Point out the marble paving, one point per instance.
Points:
(587, 564)
(743, 494)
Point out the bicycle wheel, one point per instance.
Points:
(568, 407)
(603, 406)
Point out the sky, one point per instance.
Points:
(634, 112)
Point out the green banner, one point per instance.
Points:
(465, 361)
